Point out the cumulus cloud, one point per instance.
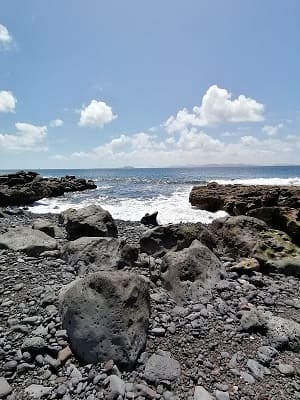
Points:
(217, 107)
(55, 123)
(192, 147)
(96, 114)
(272, 130)
(7, 101)
(27, 138)
(5, 38)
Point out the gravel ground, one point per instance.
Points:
(204, 338)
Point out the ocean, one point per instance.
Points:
(129, 193)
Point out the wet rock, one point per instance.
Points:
(106, 317)
(150, 219)
(91, 221)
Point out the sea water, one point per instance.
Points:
(129, 193)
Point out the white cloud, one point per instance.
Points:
(192, 147)
(55, 123)
(27, 138)
(5, 38)
(96, 114)
(7, 101)
(217, 107)
(272, 130)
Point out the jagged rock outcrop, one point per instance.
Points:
(239, 199)
(23, 188)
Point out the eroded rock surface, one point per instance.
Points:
(106, 316)
(190, 273)
(175, 237)
(91, 254)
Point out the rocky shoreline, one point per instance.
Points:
(26, 187)
(205, 312)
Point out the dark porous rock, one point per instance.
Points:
(106, 317)
(32, 242)
(23, 188)
(175, 237)
(239, 199)
(244, 236)
(89, 221)
(150, 219)
(91, 254)
(190, 273)
(283, 218)
(44, 226)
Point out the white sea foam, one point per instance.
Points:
(172, 209)
(260, 181)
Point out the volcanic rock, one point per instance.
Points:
(175, 237)
(150, 219)
(106, 317)
(89, 221)
(22, 188)
(244, 236)
(91, 254)
(190, 273)
(31, 241)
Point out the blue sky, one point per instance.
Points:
(149, 83)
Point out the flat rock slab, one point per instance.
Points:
(106, 317)
(37, 391)
(32, 242)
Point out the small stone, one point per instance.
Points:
(34, 344)
(64, 354)
(161, 367)
(10, 365)
(158, 331)
(222, 395)
(201, 394)
(5, 388)
(37, 391)
(256, 368)
(286, 369)
(265, 354)
(143, 390)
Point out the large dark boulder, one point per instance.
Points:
(31, 241)
(89, 221)
(175, 237)
(106, 317)
(91, 254)
(150, 219)
(244, 236)
(190, 273)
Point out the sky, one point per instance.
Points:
(98, 84)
